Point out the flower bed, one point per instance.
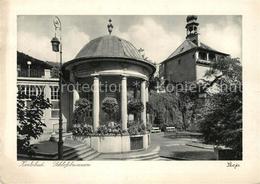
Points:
(111, 129)
(113, 143)
(110, 138)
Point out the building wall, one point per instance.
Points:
(181, 68)
(46, 83)
(189, 67)
(200, 71)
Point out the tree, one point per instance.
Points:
(110, 106)
(29, 119)
(80, 115)
(222, 122)
(164, 108)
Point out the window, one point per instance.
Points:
(203, 55)
(30, 92)
(212, 57)
(179, 62)
(54, 92)
(55, 101)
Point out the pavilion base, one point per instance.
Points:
(117, 144)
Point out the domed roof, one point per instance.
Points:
(109, 46)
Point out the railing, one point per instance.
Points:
(33, 73)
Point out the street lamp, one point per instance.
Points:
(57, 47)
(29, 68)
(55, 44)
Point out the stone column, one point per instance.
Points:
(96, 103)
(207, 56)
(75, 98)
(124, 102)
(146, 94)
(143, 100)
(147, 100)
(196, 55)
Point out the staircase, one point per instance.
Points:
(151, 154)
(79, 151)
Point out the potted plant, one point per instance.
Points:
(110, 107)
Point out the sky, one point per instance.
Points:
(158, 35)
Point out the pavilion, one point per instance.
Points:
(109, 61)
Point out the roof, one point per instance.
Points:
(109, 46)
(189, 45)
(23, 58)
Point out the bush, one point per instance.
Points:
(159, 119)
(80, 115)
(82, 130)
(135, 106)
(110, 106)
(29, 119)
(135, 128)
(110, 130)
(148, 127)
(222, 120)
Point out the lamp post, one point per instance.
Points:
(29, 68)
(57, 47)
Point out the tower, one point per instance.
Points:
(192, 29)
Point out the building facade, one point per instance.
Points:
(35, 77)
(191, 59)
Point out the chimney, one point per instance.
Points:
(47, 73)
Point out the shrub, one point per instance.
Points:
(149, 127)
(135, 107)
(82, 130)
(110, 106)
(110, 130)
(222, 119)
(149, 108)
(29, 119)
(80, 113)
(135, 128)
(159, 119)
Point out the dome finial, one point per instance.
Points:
(110, 26)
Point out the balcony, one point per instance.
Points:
(32, 73)
(202, 61)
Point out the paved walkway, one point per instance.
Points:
(182, 148)
(49, 147)
(169, 148)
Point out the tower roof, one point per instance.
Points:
(191, 17)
